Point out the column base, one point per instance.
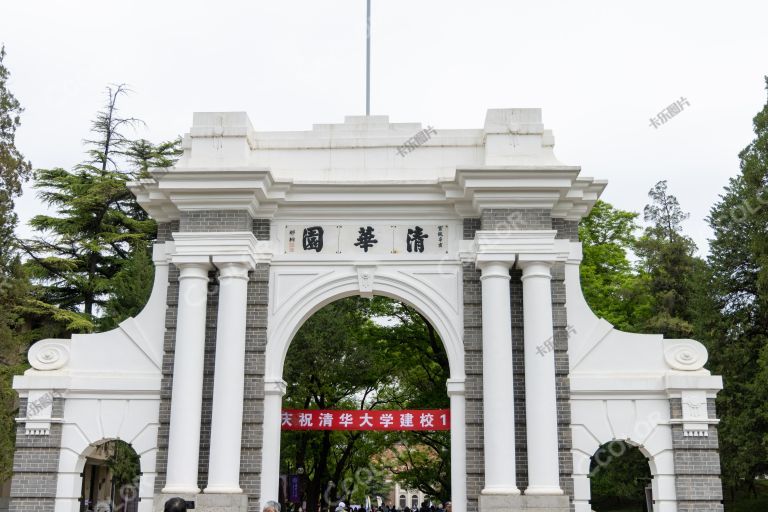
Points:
(174, 490)
(543, 490)
(205, 502)
(512, 503)
(222, 489)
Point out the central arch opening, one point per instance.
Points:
(359, 354)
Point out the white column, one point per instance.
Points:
(187, 392)
(540, 394)
(229, 379)
(498, 399)
(458, 446)
(274, 389)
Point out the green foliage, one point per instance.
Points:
(143, 155)
(123, 462)
(667, 257)
(14, 171)
(88, 240)
(130, 287)
(9, 407)
(612, 287)
(619, 474)
(14, 168)
(91, 256)
(342, 359)
(734, 313)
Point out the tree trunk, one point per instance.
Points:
(321, 474)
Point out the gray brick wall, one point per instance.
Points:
(211, 314)
(473, 362)
(261, 229)
(167, 380)
(511, 219)
(566, 230)
(470, 226)
(165, 230)
(697, 465)
(35, 464)
(253, 413)
(518, 367)
(216, 220)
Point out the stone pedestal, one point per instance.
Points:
(497, 503)
(206, 502)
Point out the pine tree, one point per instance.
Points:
(735, 322)
(99, 231)
(667, 257)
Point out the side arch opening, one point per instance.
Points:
(620, 478)
(111, 473)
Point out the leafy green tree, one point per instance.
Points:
(14, 171)
(734, 313)
(91, 255)
(14, 168)
(123, 462)
(667, 257)
(424, 462)
(612, 286)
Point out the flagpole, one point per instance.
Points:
(368, 61)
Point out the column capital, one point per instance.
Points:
(236, 267)
(537, 268)
(275, 387)
(193, 267)
(494, 269)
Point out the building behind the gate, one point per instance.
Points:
(476, 228)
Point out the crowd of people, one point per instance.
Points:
(343, 507)
(179, 505)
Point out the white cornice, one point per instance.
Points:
(468, 194)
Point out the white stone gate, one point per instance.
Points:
(537, 382)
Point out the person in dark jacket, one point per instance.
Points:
(176, 505)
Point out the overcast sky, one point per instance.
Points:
(598, 69)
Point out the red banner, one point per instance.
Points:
(315, 419)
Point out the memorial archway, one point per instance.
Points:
(319, 290)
